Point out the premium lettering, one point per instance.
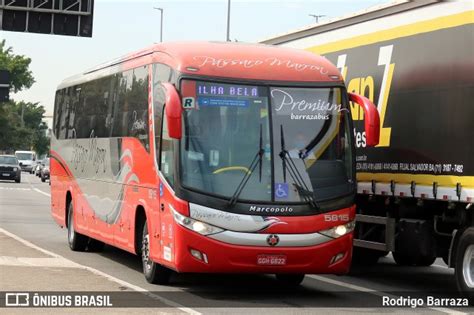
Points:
(303, 105)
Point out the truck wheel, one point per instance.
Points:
(291, 280)
(409, 260)
(154, 273)
(446, 260)
(18, 180)
(464, 263)
(403, 259)
(77, 242)
(366, 256)
(425, 261)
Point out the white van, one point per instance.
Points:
(27, 160)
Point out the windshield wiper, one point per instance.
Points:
(298, 180)
(257, 160)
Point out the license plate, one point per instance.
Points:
(5, 174)
(271, 260)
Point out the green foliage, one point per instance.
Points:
(21, 123)
(20, 75)
(26, 134)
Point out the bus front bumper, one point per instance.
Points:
(331, 257)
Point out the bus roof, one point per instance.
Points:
(223, 60)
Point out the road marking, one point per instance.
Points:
(14, 188)
(42, 192)
(36, 262)
(440, 266)
(36, 189)
(377, 293)
(105, 275)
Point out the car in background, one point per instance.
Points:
(44, 172)
(27, 160)
(10, 168)
(38, 165)
(37, 169)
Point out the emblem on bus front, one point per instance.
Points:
(273, 240)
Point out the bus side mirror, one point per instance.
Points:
(173, 111)
(371, 118)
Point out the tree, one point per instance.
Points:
(21, 123)
(22, 128)
(20, 75)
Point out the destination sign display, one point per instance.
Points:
(219, 89)
(228, 95)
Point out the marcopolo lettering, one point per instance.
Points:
(259, 209)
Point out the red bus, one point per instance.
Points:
(210, 157)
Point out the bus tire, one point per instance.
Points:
(77, 242)
(154, 273)
(290, 279)
(464, 263)
(95, 245)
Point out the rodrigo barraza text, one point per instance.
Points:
(428, 301)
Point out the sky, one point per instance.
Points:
(123, 26)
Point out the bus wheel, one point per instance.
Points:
(464, 263)
(95, 245)
(77, 242)
(290, 279)
(154, 273)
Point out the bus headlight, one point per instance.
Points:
(194, 225)
(339, 230)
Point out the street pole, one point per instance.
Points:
(316, 17)
(228, 20)
(161, 23)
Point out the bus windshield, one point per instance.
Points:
(222, 137)
(312, 148)
(303, 132)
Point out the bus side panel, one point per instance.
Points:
(164, 250)
(59, 178)
(138, 190)
(58, 191)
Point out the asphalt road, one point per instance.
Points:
(30, 240)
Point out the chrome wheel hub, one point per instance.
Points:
(468, 266)
(146, 252)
